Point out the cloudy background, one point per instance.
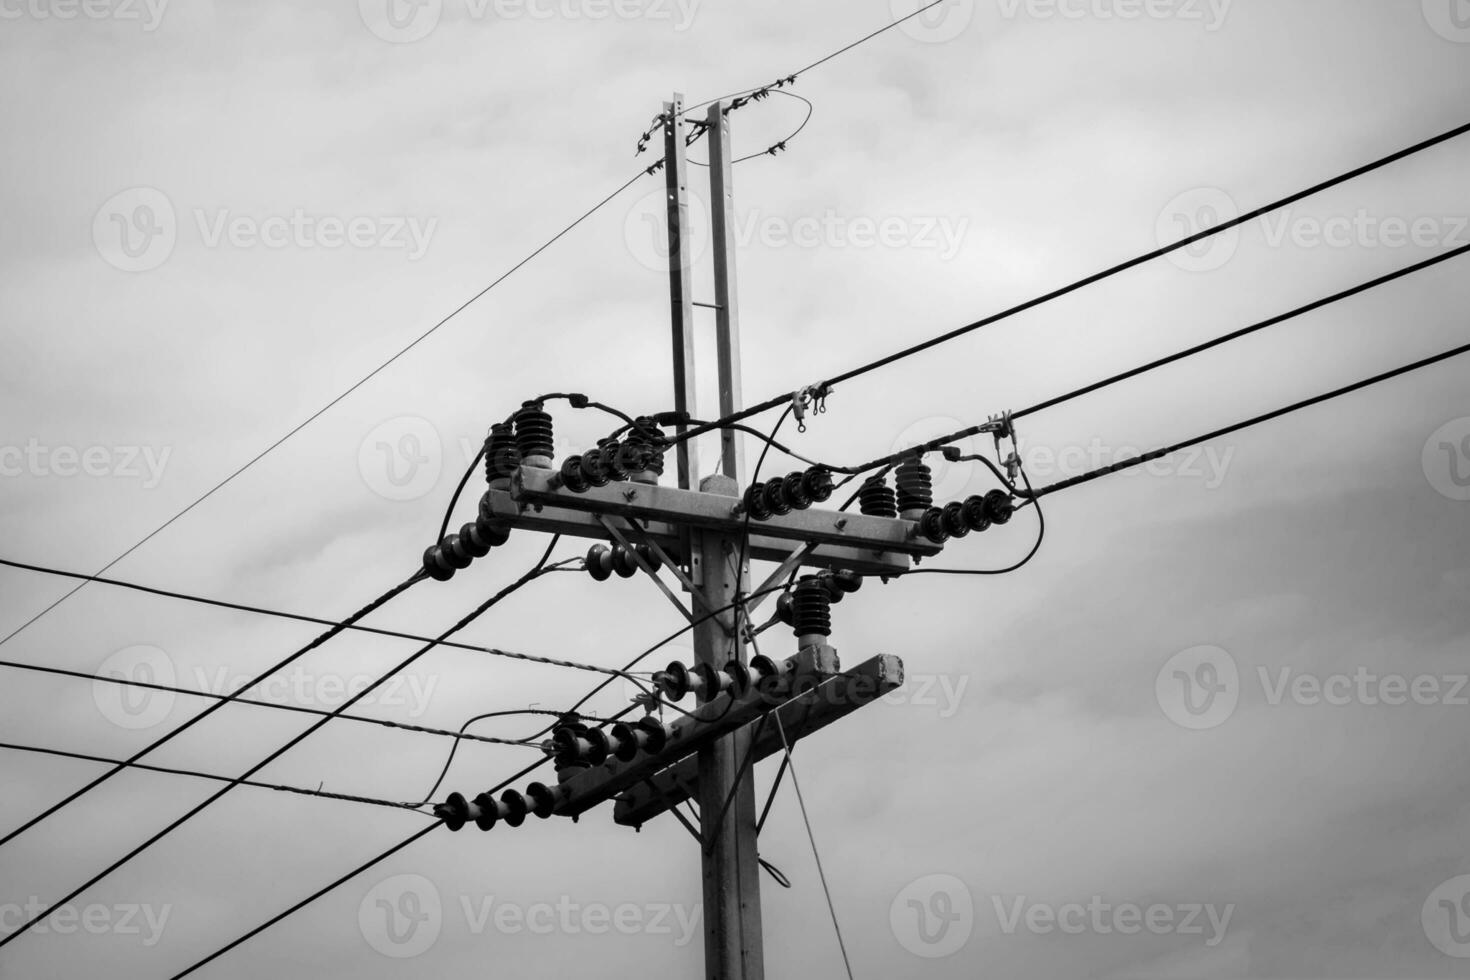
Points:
(1034, 761)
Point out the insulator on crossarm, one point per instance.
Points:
(535, 437)
(811, 608)
(514, 808)
(648, 734)
(652, 444)
(544, 799)
(475, 544)
(610, 459)
(876, 499)
(776, 500)
(1000, 506)
(593, 470)
(818, 484)
(572, 476)
(793, 488)
(915, 489)
(932, 526)
(755, 502)
(976, 514)
(501, 455)
(954, 520)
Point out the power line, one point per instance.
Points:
(145, 767)
(1156, 364)
(1244, 331)
(339, 881)
(329, 405)
(1267, 417)
(529, 576)
(168, 736)
(264, 611)
(300, 708)
(1080, 284)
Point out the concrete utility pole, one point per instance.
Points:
(732, 900)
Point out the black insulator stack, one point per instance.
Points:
(534, 435)
(459, 550)
(603, 561)
(915, 488)
(811, 608)
(875, 498)
(611, 459)
(592, 468)
(572, 476)
(501, 455)
(651, 444)
(755, 502)
(782, 494)
(954, 520)
(933, 527)
(1000, 506)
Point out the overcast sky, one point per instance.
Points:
(220, 215)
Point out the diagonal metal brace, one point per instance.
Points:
(641, 537)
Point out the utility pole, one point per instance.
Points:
(732, 901)
(699, 535)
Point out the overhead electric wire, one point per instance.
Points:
(416, 835)
(538, 569)
(333, 402)
(473, 648)
(223, 604)
(1083, 283)
(1244, 331)
(166, 770)
(190, 723)
(1257, 420)
(277, 706)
